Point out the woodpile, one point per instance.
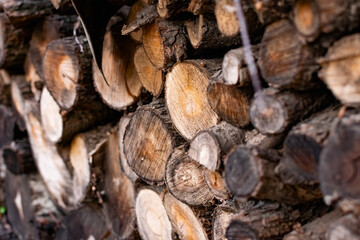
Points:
(145, 124)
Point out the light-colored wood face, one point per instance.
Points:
(186, 87)
(226, 18)
(306, 17)
(135, 8)
(153, 45)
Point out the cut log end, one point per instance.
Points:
(307, 18)
(153, 45)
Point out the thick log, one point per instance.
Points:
(204, 34)
(339, 69)
(149, 141)
(221, 218)
(184, 221)
(152, 220)
(284, 61)
(271, 11)
(165, 42)
(185, 94)
(316, 229)
(346, 227)
(216, 184)
(222, 98)
(150, 77)
(250, 172)
(197, 7)
(208, 146)
(7, 125)
(338, 168)
(18, 157)
(185, 179)
(313, 18)
(276, 111)
(13, 44)
(228, 23)
(303, 145)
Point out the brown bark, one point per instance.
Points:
(169, 8)
(5, 88)
(216, 184)
(7, 125)
(35, 81)
(346, 227)
(276, 111)
(185, 93)
(271, 11)
(61, 4)
(285, 62)
(250, 172)
(197, 7)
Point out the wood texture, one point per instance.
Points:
(344, 228)
(169, 8)
(7, 124)
(221, 219)
(271, 11)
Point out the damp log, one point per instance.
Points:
(303, 145)
(185, 179)
(284, 61)
(223, 99)
(149, 141)
(208, 146)
(18, 157)
(228, 23)
(13, 44)
(184, 221)
(185, 94)
(250, 173)
(346, 227)
(165, 42)
(152, 220)
(150, 77)
(271, 11)
(276, 111)
(7, 125)
(340, 69)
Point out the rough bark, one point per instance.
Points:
(197, 7)
(169, 8)
(7, 125)
(271, 11)
(216, 184)
(221, 218)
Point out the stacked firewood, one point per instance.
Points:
(138, 120)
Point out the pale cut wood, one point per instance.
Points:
(150, 77)
(183, 219)
(36, 82)
(216, 184)
(346, 227)
(152, 220)
(185, 179)
(134, 10)
(185, 94)
(221, 218)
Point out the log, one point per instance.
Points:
(136, 35)
(5, 88)
(250, 172)
(254, 138)
(152, 220)
(165, 42)
(185, 94)
(183, 219)
(276, 111)
(216, 184)
(314, 18)
(123, 85)
(197, 7)
(150, 77)
(340, 156)
(61, 4)
(170, 8)
(284, 61)
(204, 34)
(208, 146)
(222, 98)
(185, 179)
(119, 202)
(346, 227)
(221, 218)
(14, 44)
(35, 81)
(271, 11)
(149, 141)
(7, 125)
(228, 23)
(303, 145)
(339, 69)
(18, 157)
(123, 123)
(316, 229)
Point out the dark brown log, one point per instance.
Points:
(185, 179)
(276, 111)
(197, 7)
(183, 219)
(222, 98)
(271, 11)
(228, 23)
(216, 184)
(250, 172)
(340, 69)
(119, 203)
(208, 146)
(149, 141)
(221, 218)
(152, 220)
(185, 93)
(13, 44)
(284, 61)
(5, 88)
(338, 168)
(18, 157)
(7, 125)
(151, 78)
(313, 18)
(165, 42)
(24, 12)
(316, 229)
(346, 227)
(303, 145)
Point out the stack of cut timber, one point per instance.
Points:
(145, 124)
